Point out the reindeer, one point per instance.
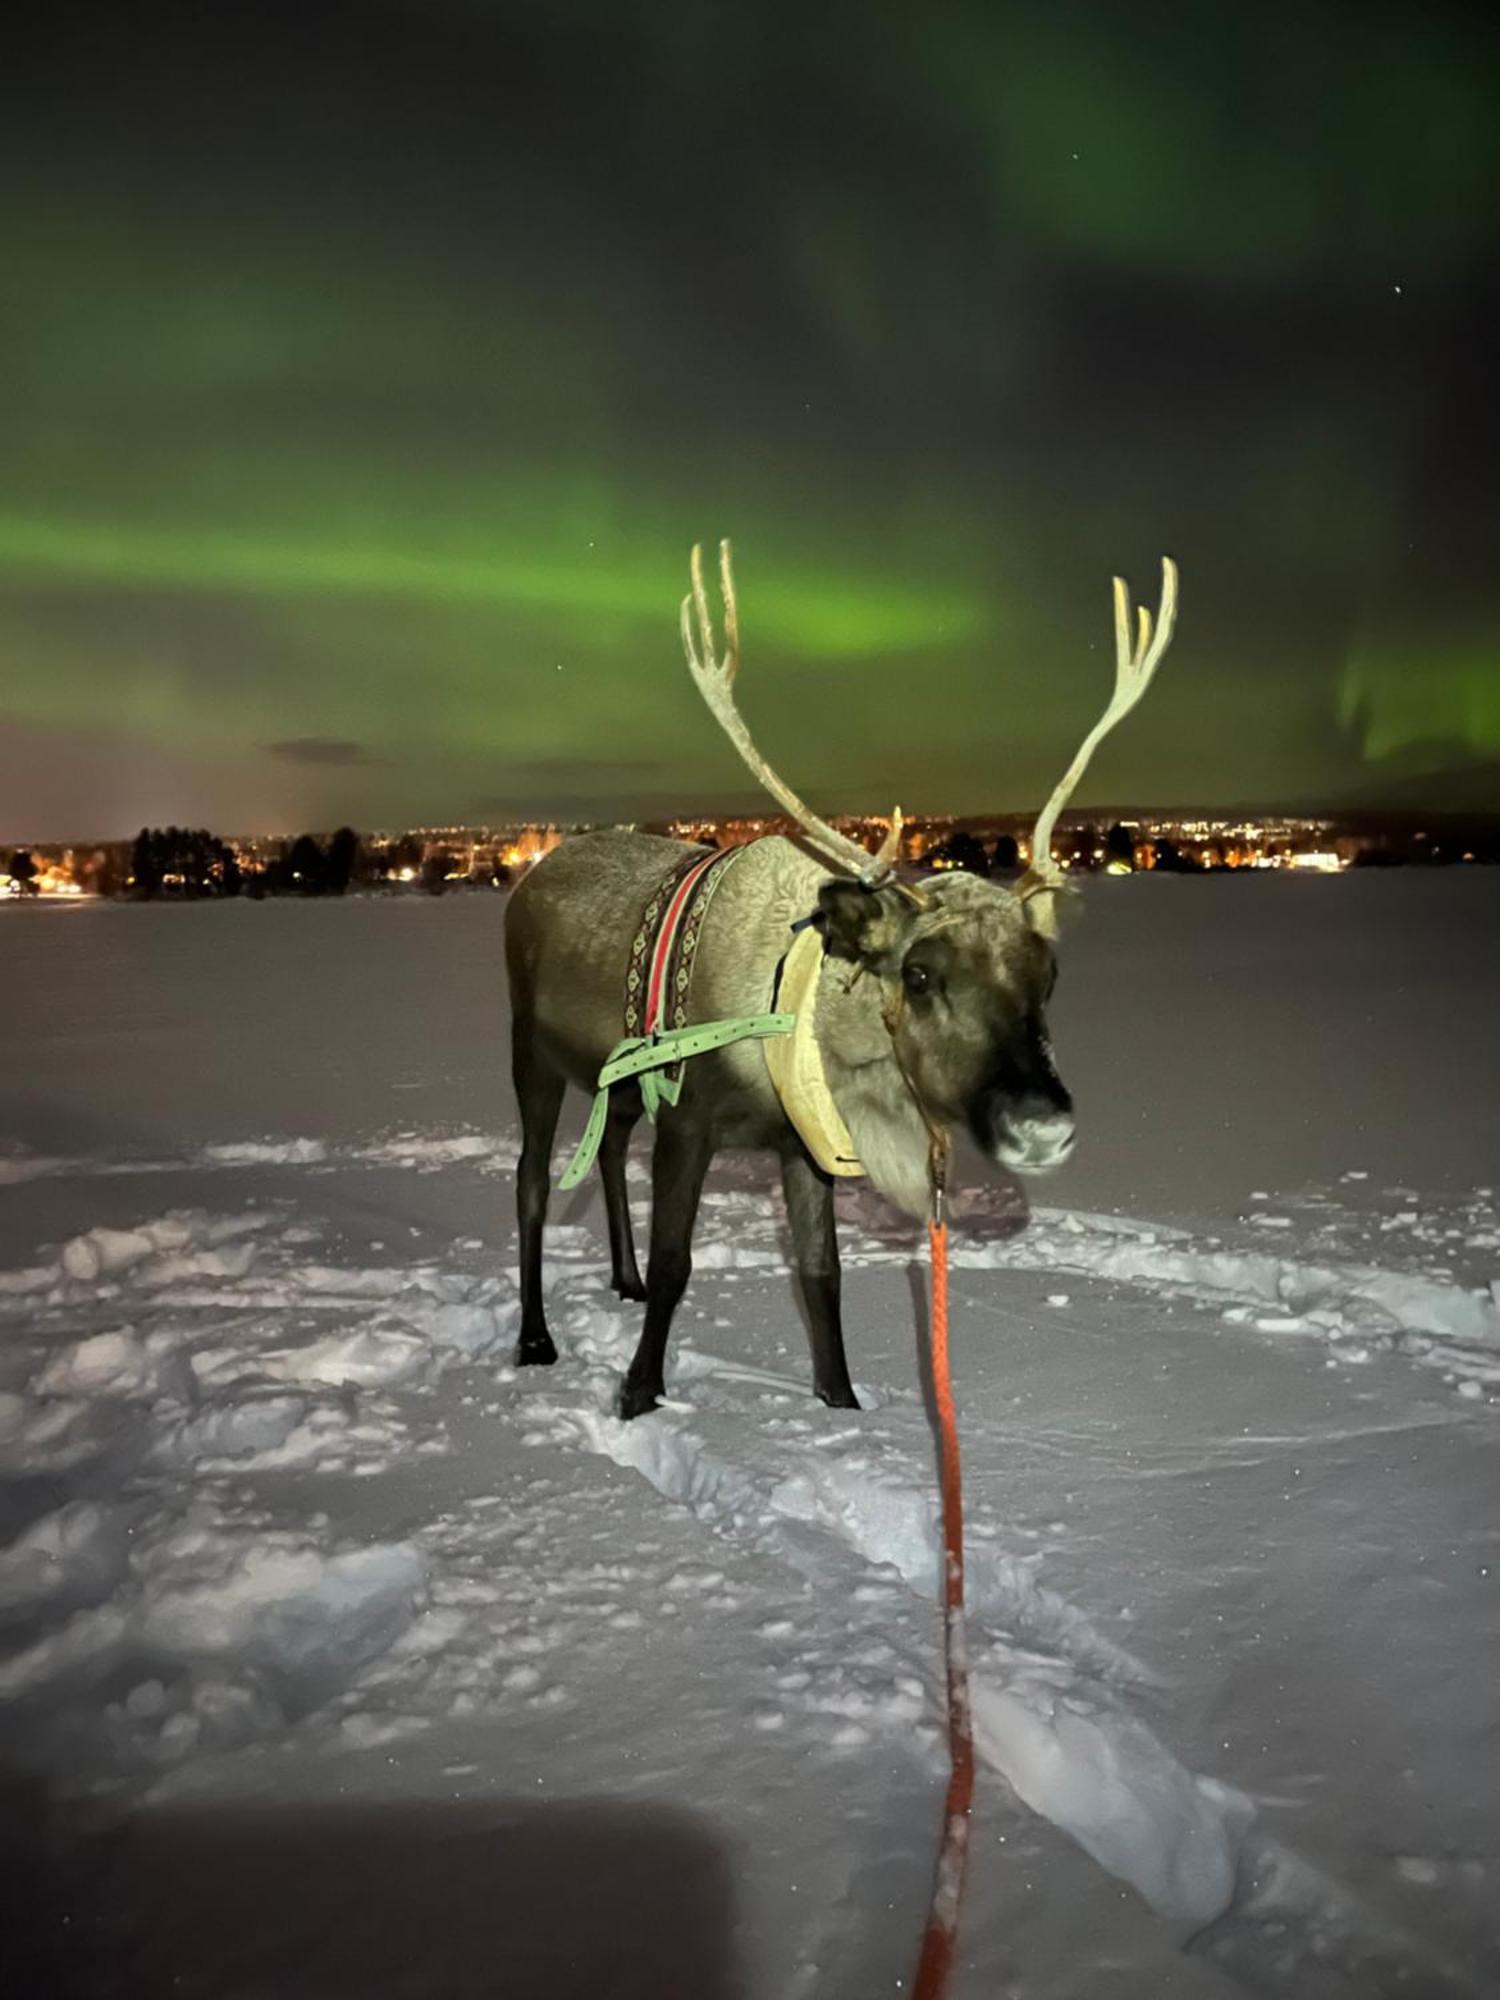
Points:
(929, 1014)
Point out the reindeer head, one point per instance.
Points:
(964, 968)
(963, 984)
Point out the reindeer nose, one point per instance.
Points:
(1031, 1138)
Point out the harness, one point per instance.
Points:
(658, 1038)
(666, 943)
(796, 1062)
(658, 983)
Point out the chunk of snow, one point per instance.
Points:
(1110, 1784)
(280, 1602)
(369, 1356)
(107, 1364)
(266, 1153)
(75, 1554)
(104, 1252)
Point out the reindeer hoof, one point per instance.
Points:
(839, 1399)
(635, 1400)
(631, 1289)
(535, 1350)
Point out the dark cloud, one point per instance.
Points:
(339, 750)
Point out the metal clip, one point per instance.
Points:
(937, 1172)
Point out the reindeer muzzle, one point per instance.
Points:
(1028, 1135)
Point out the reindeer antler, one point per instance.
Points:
(1134, 667)
(715, 682)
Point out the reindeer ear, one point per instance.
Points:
(860, 924)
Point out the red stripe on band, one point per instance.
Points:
(664, 938)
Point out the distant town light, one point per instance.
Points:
(500, 854)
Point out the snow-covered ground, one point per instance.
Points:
(337, 1657)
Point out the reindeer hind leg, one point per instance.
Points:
(679, 1162)
(539, 1093)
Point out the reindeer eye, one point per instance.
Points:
(915, 977)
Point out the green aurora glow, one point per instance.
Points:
(361, 418)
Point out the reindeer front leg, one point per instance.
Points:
(624, 1115)
(678, 1164)
(815, 1246)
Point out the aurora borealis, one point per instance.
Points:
(370, 371)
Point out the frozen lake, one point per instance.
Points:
(336, 1657)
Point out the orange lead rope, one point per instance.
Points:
(936, 1962)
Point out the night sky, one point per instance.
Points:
(369, 371)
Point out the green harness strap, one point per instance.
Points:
(643, 1055)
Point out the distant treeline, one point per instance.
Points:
(1086, 848)
(191, 862)
(184, 862)
(1083, 847)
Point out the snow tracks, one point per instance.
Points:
(148, 1598)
